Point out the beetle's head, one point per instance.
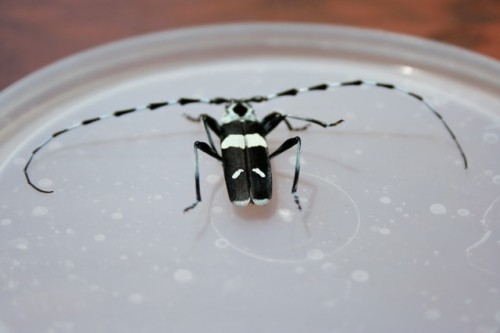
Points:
(238, 110)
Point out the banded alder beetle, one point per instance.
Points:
(244, 151)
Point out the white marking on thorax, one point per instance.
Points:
(237, 173)
(234, 141)
(259, 172)
(255, 140)
(243, 141)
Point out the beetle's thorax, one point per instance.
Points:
(238, 110)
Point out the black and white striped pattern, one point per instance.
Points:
(238, 146)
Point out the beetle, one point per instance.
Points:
(244, 155)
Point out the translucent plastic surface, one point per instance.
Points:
(394, 236)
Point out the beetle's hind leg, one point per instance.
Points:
(207, 149)
(284, 147)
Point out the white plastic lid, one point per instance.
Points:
(394, 236)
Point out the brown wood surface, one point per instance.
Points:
(34, 33)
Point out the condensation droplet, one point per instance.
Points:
(20, 243)
(490, 137)
(40, 210)
(99, 237)
(5, 222)
(463, 212)
(432, 314)
(360, 275)
(385, 200)
(496, 179)
(183, 275)
(70, 231)
(384, 231)
(45, 182)
(438, 209)
(285, 214)
(328, 266)
(315, 254)
(135, 298)
(221, 243)
(117, 215)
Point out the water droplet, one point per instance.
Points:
(45, 182)
(40, 210)
(135, 298)
(328, 266)
(438, 209)
(463, 212)
(221, 243)
(315, 254)
(5, 222)
(384, 231)
(20, 243)
(285, 214)
(496, 179)
(117, 215)
(432, 314)
(99, 237)
(360, 275)
(70, 231)
(490, 137)
(385, 200)
(183, 275)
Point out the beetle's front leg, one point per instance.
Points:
(210, 124)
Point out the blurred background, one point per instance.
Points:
(34, 33)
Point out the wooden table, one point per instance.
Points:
(34, 33)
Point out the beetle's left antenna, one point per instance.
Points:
(149, 107)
